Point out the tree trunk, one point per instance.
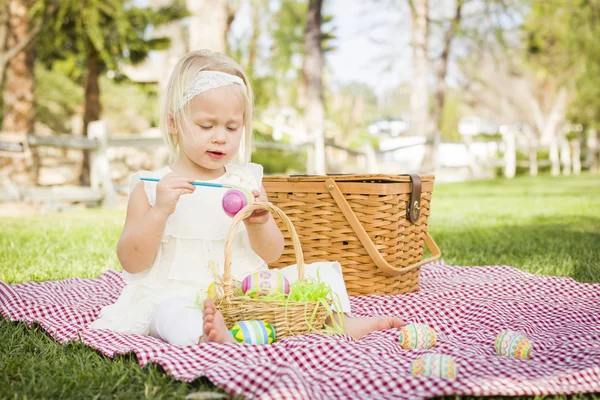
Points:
(210, 23)
(577, 156)
(431, 161)
(556, 116)
(591, 146)
(257, 7)
(92, 107)
(510, 154)
(419, 96)
(19, 93)
(554, 156)
(312, 71)
(533, 162)
(231, 8)
(13, 40)
(165, 60)
(565, 156)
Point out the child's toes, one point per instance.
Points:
(208, 326)
(209, 305)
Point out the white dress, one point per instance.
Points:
(194, 235)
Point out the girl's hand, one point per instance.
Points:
(258, 217)
(168, 191)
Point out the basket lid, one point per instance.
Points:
(374, 178)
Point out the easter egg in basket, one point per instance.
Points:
(265, 283)
(513, 344)
(253, 332)
(417, 336)
(435, 365)
(216, 292)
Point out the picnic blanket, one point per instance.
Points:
(468, 307)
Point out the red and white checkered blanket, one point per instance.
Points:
(468, 306)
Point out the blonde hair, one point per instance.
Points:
(182, 76)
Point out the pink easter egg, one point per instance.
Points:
(233, 201)
(265, 283)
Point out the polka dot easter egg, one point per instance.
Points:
(216, 292)
(253, 332)
(265, 283)
(513, 344)
(435, 365)
(417, 336)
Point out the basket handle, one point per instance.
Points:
(239, 217)
(368, 244)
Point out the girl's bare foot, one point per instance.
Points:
(360, 327)
(215, 329)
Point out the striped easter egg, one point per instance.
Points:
(253, 332)
(417, 336)
(513, 344)
(215, 291)
(435, 365)
(265, 283)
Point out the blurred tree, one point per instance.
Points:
(21, 21)
(20, 24)
(126, 106)
(562, 42)
(99, 36)
(58, 99)
(351, 108)
(419, 95)
(248, 51)
(437, 25)
(287, 29)
(272, 53)
(210, 23)
(434, 138)
(499, 86)
(562, 47)
(312, 72)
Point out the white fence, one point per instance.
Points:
(102, 189)
(466, 159)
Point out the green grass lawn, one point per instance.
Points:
(545, 226)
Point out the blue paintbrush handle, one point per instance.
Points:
(198, 183)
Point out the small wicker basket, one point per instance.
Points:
(289, 318)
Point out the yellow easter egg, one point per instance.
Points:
(417, 336)
(435, 365)
(513, 344)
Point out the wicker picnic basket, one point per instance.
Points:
(374, 225)
(289, 318)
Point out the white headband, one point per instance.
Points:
(206, 80)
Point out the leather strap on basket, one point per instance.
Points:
(368, 244)
(413, 208)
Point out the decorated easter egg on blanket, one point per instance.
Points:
(265, 283)
(417, 336)
(513, 344)
(435, 365)
(253, 332)
(215, 291)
